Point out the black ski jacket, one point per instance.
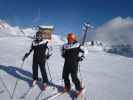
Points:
(41, 50)
(72, 53)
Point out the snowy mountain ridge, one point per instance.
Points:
(6, 30)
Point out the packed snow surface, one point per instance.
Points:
(106, 76)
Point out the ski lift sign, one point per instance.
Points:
(46, 32)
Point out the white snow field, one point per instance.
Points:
(106, 76)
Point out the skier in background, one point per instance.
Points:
(42, 52)
(72, 53)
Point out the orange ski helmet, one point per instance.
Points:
(71, 37)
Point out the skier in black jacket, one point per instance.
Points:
(72, 53)
(41, 54)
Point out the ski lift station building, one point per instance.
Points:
(46, 31)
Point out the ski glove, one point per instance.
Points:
(48, 56)
(81, 58)
(25, 56)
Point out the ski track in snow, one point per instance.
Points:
(106, 76)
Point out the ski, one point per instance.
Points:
(30, 89)
(45, 92)
(28, 92)
(53, 96)
(81, 96)
(56, 94)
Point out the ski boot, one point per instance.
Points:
(66, 89)
(34, 83)
(45, 85)
(78, 92)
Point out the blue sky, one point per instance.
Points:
(65, 15)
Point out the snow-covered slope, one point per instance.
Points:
(93, 46)
(56, 39)
(106, 76)
(29, 31)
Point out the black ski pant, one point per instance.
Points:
(73, 70)
(42, 69)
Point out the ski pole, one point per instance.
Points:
(2, 81)
(50, 75)
(16, 83)
(80, 74)
(49, 71)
